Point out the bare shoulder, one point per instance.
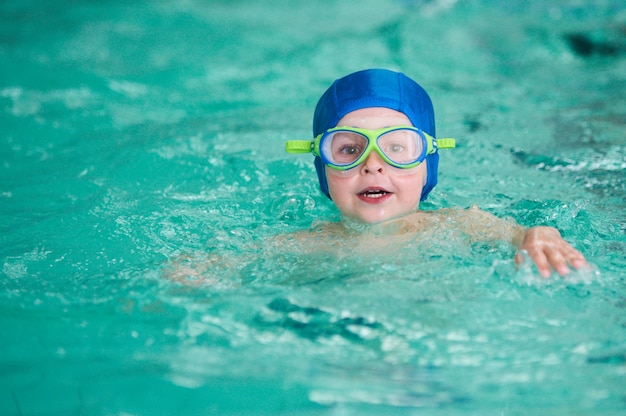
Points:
(422, 220)
(474, 222)
(483, 225)
(319, 237)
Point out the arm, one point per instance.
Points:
(207, 268)
(548, 249)
(544, 245)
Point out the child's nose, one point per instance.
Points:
(373, 163)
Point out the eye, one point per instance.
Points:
(350, 149)
(395, 148)
(345, 147)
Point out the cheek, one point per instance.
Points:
(340, 181)
(337, 180)
(421, 173)
(413, 177)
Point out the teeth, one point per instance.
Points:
(375, 194)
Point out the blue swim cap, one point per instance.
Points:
(376, 88)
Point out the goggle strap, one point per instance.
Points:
(447, 143)
(299, 146)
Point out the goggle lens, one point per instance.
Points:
(344, 147)
(399, 146)
(402, 146)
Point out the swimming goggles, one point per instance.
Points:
(344, 148)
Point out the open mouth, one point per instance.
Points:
(374, 193)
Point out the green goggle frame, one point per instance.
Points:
(430, 145)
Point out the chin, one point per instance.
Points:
(374, 218)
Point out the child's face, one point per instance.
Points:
(375, 191)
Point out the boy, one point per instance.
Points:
(376, 158)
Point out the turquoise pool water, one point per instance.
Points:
(137, 134)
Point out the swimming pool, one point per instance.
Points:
(134, 135)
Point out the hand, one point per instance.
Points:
(548, 249)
